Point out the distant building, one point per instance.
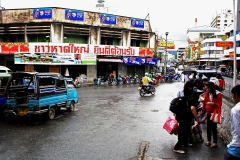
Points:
(223, 20)
(181, 54)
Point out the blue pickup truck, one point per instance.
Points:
(39, 93)
(3, 83)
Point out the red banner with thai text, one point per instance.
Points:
(70, 48)
(13, 47)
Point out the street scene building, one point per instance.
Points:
(85, 43)
(222, 20)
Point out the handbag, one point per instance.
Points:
(171, 126)
(196, 134)
(216, 117)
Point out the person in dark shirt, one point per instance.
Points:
(185, 122)
(198, 83)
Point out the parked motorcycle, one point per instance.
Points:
(131, 79)
(136, 79)
(125, 79)
(100, 80)
(145, 90)
(117, 81)
(177, 77)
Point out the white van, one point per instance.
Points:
(4, 69)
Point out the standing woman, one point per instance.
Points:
(212, 101)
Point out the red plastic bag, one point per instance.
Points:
(171, 126)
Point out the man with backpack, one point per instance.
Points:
(184, 108)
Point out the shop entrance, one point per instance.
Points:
(104, 68)
(74, 70)
(135, 70)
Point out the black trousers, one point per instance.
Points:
(184, 132)
(228, 156)
(211, 130)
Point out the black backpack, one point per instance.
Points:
(180, 107)
(178, 104)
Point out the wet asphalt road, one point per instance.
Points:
(110, 123)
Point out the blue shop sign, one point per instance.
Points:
(108, 19)
(42, 13)
(137, 23)
(74, 15)
(151, 61)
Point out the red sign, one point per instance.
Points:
(10, 47)
(70, 48)
(231, 54)
(145, 52)
(224, 44)
(191, 42)
(194, 48)
(170, 47)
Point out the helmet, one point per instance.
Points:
(146, 74)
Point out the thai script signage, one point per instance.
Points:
(83, 49)
(74, 15)
(42, 13)
(137, 23)
(108, 19)
(224, 44)
(169, 45)
(70, 48)
(10, 48)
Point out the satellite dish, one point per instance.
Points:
(101, 1)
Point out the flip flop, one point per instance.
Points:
(214, 145)
(207, 143)
(179, 151)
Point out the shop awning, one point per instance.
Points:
(211, 60)
(109, 60)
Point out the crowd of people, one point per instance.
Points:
(202, 103)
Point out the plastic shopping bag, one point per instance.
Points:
(196, 134)
(171, 126)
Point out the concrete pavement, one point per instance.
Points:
(111, 123)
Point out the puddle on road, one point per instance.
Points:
(154, 110)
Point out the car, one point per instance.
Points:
(4, 69)
(206, 73)
(222, 70)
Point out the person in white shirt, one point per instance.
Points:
(232, 152)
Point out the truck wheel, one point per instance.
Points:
(71, 108)
(51, 113)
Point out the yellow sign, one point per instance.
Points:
(163, 43)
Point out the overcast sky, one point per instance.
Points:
(173, 16)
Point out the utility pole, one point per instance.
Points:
(234, 43)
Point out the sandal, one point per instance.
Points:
(208, 143)
(214, 145)
(179, 151)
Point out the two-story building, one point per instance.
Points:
(57, 39)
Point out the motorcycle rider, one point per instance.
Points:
(146, 81)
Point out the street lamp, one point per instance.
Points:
(208, 47)
(166, 33)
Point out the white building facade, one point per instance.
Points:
(223, 20)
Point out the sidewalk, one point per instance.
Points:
(161, 143)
